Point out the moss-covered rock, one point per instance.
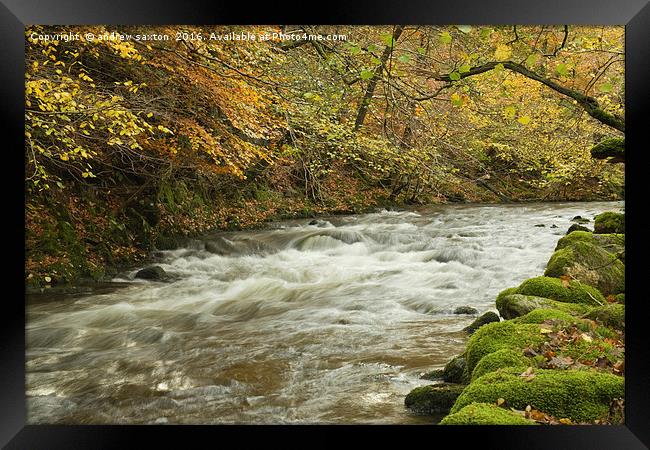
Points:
(609, 222)
(454, 371)
(502, 335)
(589, 264)
(485, 414)
(620, 298)
(612, 315)
(434, 398)
(611, 242)
(555, 289)
(499, 360)
(612, 149)
(484, 319)
(544, 314)
(579, 395)
(516, 305)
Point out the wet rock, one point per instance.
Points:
(580, 219)
(437, 374)
(486, 318)
(465, 310)
(155, 273)
(219, 246)
(576, 227)
(435, 398)
(553, 226)
(540, 225)
(454, 371)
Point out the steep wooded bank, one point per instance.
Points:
(132, 142)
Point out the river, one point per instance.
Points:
(327, 323)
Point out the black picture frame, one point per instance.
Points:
(16, 14)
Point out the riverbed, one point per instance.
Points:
(326, 321)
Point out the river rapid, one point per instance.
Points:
(332, 322)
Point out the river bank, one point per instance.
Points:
(557, 357)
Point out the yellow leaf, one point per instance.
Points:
(524, 120)
(502, 52)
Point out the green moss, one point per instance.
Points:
(588, 263)
(611, 242)
(516, 305)
(609, 222)
(504, 293)
(500, 335)
(579, 395)
(498, 360)
(544, 314)
(435, 398)
(620, 298)
(612, 315)
(485, 414)
(609, 148)
(553, 288)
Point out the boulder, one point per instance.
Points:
(576, 227)
(588, 263)
(485, 414)
(435, 398)
(560, 290)
(516, 305)
(609, 222)
(155, 273)
(580, 219)
(612, 315)
(501, 335)
(579, 395)
(500, 360)
(486, 318)
(454, 371)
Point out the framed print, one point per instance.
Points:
(384, 219)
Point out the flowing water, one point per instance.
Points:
(327, 323)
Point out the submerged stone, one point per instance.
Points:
(465, 310)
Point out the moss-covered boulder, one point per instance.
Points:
(454, 371)
(612, 315)
(556, 289)
(434, 398)
(544, 314)
(484, 319)
(579, 395)
(499, 360)
(485, 414)
(611, 149)
(611, 242)
(501, 335)
(589, 264)
(516, 305)
(609, 222)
